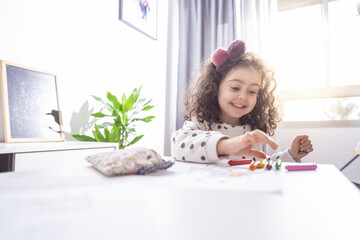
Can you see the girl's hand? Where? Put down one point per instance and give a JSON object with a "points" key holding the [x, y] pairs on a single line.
{"points": [[242, 145], [300, 147]]}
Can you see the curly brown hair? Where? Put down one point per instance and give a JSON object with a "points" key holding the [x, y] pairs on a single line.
{"points": [[202, 93]]}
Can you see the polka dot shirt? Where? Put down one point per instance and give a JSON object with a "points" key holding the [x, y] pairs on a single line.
{"points": [[195, 142]]}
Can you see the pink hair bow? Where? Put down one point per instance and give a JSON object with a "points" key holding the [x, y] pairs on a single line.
{"points": [[220, 55]]}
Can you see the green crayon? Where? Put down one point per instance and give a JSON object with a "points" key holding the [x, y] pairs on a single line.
{"points": [[278, 164]]}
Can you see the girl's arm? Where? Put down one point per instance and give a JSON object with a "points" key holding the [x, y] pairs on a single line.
{"points": [[300, 147], [195, 143], [243, 145]]}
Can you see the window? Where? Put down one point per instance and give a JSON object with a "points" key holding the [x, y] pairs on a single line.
{"points": [[317, 60]]}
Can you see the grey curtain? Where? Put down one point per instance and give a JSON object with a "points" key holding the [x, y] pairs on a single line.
{"points": [[204, 25]]}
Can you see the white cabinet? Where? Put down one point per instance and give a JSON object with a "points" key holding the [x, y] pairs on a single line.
{"points": [[29, 156]]}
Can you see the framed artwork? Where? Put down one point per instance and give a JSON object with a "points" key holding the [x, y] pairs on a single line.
{"points": [[140, 15], [30, 104]]}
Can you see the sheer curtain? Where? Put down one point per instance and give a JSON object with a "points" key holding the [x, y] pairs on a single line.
{"points": [[255, 25], [203, 27]]}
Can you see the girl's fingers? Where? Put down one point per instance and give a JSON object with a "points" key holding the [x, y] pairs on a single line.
{"points": [[263, 138], [307, 149], [273, 144], [257, 153], [300, 139], [304, 138], [306, 146]]}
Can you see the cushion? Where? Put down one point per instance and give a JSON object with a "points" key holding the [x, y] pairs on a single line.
{"points": [[128, 161]]}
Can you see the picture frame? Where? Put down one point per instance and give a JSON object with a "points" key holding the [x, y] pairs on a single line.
{"points": [[140, 15], [30, 104]]}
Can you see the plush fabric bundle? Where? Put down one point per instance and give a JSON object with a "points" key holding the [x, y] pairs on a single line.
{"points": [[128, 161]]}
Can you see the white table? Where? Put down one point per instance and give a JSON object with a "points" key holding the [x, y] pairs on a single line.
{"points": [[187, 201]]}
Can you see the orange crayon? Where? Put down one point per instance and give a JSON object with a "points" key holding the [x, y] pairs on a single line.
{"points": [[254, 165]]}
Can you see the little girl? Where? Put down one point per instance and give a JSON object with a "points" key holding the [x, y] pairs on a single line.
{"points": [[230, 111]]}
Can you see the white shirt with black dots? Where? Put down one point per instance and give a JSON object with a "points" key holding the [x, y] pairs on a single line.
{"points": [[195, 142]]}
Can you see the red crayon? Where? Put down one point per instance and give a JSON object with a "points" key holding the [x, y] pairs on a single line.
{"points": [[239, 162]]}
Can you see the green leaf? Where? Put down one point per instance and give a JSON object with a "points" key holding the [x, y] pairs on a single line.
{"points": [[123, 99], [146, 108], [84, 138], [114, 113], [107, 135], [138, 106], [107, 105], [130, 102], [131, 130], [136, 139], [147, 119], [97, 98], [98, 136], [104, 125], [114, 134], [117, 119], [137, 93], [147, 103], [114, 100], [140, 100], [99, 114]]}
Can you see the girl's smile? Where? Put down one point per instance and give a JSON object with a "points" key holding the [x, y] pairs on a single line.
{"points": [[238, 106], [237, 94]]}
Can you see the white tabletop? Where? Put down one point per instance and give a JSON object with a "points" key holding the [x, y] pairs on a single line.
{"points": [[187, 201]]}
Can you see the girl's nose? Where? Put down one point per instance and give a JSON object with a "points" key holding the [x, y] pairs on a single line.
{"points": [[242, 95]]}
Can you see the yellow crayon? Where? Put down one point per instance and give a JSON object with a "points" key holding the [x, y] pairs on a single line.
{"points": [[263, 163]]}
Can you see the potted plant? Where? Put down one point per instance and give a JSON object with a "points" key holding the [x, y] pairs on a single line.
{"points": [[124, 117]]}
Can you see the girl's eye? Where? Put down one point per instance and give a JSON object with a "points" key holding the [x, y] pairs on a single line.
{"points": [[252, 92], [235, 88]]}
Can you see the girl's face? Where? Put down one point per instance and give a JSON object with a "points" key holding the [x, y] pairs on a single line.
{"points": [[238, 93]]}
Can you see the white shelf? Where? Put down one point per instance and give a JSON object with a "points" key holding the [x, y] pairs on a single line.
{"points": [[30, 156], [6, 148]]}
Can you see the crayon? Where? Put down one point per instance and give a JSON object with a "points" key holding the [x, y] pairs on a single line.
{"points": [[301, 167], [254, 165], [278, 164], [262, 163], [239, 162], [269, 164]]}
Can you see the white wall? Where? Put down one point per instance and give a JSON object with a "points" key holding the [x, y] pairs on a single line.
{"points": [[92, 52], [331, 146]]}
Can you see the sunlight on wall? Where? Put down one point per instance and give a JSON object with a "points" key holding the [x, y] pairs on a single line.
{"points": [[91, 51], [322, 109], [344, 24]]}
